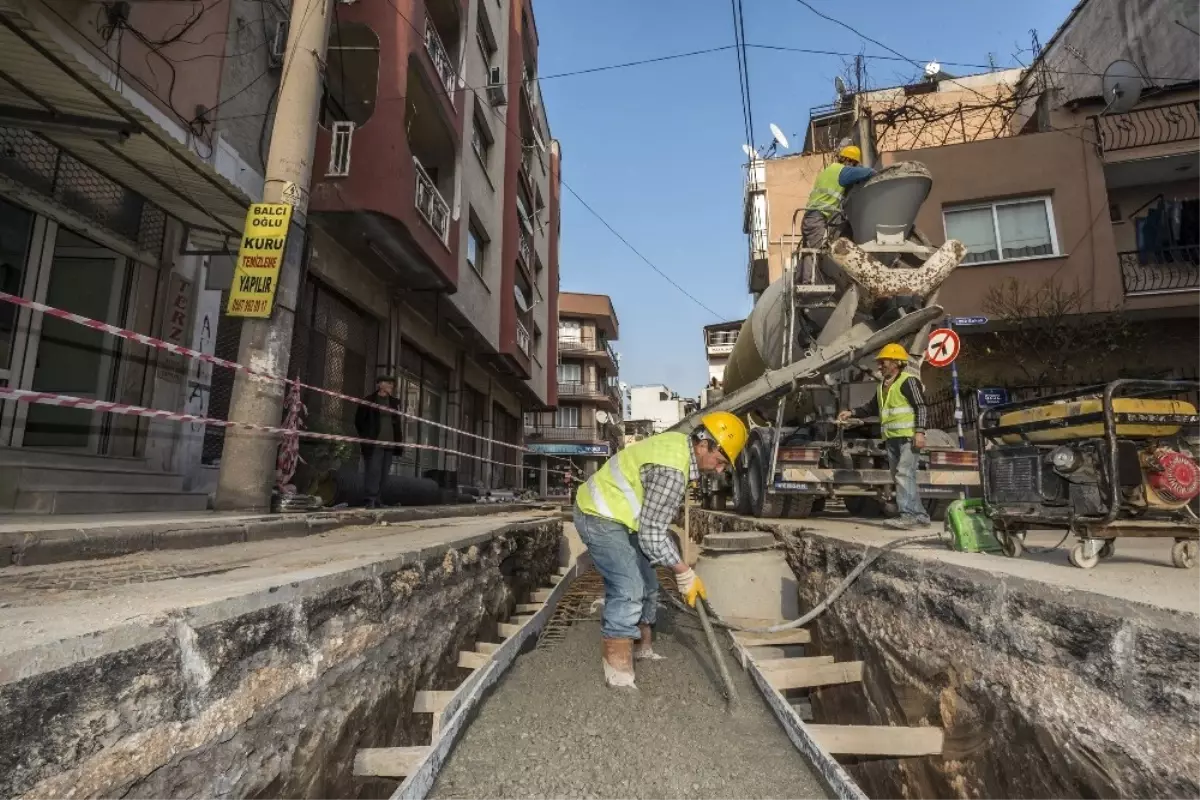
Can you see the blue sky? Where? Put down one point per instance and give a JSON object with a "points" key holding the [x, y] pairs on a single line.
{"points": [[656, 150]]}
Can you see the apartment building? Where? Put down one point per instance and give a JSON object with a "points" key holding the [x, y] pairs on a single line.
{"points": [[1070, 210], [719, 339], [658, 404], [585, 429], [432, 248]]}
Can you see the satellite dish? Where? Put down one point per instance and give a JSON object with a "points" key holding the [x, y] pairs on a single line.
{"points": [[602, 417], [839, 86], [750, 152], [932, 68], [1122, 85], [778, 136]]}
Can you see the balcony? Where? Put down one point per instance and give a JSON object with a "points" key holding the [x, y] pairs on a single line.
{"points": [[441, 58], [1167, 271], [524, 341], [430, 203], [1148, 127], [588, 434], [590, 390], [587, 346], [525, 247]]}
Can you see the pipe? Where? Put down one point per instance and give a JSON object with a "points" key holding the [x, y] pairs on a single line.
{"points": [[731, 698]]}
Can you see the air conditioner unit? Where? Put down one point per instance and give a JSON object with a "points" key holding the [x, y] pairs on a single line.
{"points": [[495, 87], [278, 45]]}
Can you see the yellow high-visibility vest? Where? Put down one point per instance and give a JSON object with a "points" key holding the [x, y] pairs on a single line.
{"points": [[615, 492], [827, 193], [897, 418]]}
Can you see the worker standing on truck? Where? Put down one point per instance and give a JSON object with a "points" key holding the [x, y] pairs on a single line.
{"points": [[900, 405], [623, 514], [825, 200]]}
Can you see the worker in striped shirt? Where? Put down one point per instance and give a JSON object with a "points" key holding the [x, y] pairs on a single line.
{"points": [[623, 514], [900, 405]]}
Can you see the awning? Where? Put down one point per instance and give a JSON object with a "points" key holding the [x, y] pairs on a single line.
{"points": [[53, 83]]}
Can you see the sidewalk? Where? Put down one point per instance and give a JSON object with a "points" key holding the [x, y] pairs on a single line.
{"points": [[32, 540]]}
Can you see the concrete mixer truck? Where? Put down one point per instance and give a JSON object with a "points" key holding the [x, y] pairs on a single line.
{"points": [[805, 352]]}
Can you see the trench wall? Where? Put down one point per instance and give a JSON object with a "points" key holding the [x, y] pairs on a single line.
{"points": [[1042, 692], [270, 696]]}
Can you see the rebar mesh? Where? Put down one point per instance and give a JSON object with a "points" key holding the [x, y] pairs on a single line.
{"points": [[583, 600]]}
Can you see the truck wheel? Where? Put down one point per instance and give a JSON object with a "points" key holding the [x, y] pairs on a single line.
{"points": [[741, 493], [799, 506], [862, 506], [818, 505], [763, 502]]}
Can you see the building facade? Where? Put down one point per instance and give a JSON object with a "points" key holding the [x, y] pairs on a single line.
{"points": [[719, 339], [432, 254], [585, 429], [658, 404]]}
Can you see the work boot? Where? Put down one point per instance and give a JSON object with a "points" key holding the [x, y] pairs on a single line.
{"points": [[618, 663], [644, 650]]}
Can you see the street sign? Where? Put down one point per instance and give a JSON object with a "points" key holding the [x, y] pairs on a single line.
{"points": [[989, 398], [260, 257], [960, 322], [943, 348]]}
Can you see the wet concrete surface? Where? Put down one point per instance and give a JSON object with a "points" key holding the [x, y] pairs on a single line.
{"points": [[553, 729]]}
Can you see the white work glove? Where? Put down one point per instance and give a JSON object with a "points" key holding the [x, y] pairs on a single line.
{"points": [[690, 586]]}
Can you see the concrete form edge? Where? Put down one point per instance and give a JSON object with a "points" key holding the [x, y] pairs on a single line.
{"points": [[468, 695], [835, 778]]}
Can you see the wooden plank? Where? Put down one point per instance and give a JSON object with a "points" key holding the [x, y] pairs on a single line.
{"points": [[431, 702], [469, 660], [388, 762], [528, 608], [487, 647], [420, 781], [878, 740], [770, 665], [507, 629], [555, 579], [564, 570], [540, 595], [798, 636], [803, 677]]}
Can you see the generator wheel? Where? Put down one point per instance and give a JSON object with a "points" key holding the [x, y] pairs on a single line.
{"points": [[1109, 549], [1183, 554], [1078, 559], [1012, 542]]}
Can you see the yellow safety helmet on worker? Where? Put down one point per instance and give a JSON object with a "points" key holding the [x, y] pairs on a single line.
{"points": [[851, 152], [893, 352], [727, 431]]}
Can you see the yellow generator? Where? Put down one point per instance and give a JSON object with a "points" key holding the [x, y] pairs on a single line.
{"points": [[1102, 463]]}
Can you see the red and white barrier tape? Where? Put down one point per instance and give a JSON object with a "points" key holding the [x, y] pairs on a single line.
{"points": [[68, 401], [187, 352]]}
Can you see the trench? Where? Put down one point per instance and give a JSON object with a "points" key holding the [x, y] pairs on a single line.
{"points": [[1039, 691]]}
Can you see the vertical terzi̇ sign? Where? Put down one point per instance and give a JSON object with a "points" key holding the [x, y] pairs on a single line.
{"points": [[260, 257]]}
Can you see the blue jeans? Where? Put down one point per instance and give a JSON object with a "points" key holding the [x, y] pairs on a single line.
{"points": [[902, 459], [630, 585]]}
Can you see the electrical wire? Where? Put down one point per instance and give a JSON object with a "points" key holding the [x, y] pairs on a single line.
{"points": [[749, 132], [740, 25]]}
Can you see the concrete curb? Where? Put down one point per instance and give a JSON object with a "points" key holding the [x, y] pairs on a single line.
{"points": [[73, 543]]}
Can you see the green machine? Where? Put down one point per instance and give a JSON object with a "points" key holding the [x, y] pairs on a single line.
{"points": [[970, 529]]}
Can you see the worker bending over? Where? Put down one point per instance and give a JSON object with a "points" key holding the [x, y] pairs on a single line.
{"points": [[623, 514], [900, 405], [825, 200]]}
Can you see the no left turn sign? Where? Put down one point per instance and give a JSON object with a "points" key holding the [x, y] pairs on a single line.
{"points": [[943, 348]]}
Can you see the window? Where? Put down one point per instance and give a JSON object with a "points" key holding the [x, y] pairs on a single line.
{"points": [[1007, 231], [481, 139], [484, 36], [569, 330], [567, 417], [476, 248], [570, 373]]}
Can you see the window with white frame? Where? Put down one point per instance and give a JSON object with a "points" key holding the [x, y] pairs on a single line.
{"points": [[570, 373], [476, 248], [1007, 230], [567, 417], [570, 330]]}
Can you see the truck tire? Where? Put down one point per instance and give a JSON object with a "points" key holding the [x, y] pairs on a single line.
{"points": [[763, 503], [863, 506], [799, 506], [741, 493]]}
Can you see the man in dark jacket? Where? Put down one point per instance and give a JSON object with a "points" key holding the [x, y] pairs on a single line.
{"points": [[371, 423]]}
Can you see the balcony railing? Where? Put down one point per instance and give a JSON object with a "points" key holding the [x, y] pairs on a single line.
{"points": [[1176, 122], [586, 344], [525, 246], [431, 204], [523, 340], [582, 434], [581, 389], [441, 59], [1166, 271]]}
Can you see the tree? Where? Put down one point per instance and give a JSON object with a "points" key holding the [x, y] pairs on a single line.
{"points": [[1050, 333]]}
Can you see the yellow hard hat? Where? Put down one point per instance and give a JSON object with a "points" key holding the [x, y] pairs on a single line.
{"points": [[851, 151], [893, 352], [729, 431]]}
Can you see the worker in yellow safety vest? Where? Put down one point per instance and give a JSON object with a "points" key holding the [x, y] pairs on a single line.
{"points": [[899, 403], [623, 514], [825, 200]]}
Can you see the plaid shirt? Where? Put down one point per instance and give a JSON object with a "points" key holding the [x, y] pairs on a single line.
{"points": [[664, 489]]}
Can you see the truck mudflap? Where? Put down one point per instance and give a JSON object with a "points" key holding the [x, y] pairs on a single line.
{"points": [[816, 480]]}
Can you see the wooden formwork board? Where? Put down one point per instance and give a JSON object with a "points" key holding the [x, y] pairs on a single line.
{"points": [[454, 716], [878, 740]]}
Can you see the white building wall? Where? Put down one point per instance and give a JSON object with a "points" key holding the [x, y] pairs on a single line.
{"points": [[657, 403]]}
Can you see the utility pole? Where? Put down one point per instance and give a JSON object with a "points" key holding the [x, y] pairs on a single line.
{"points": [[248, 460]]}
